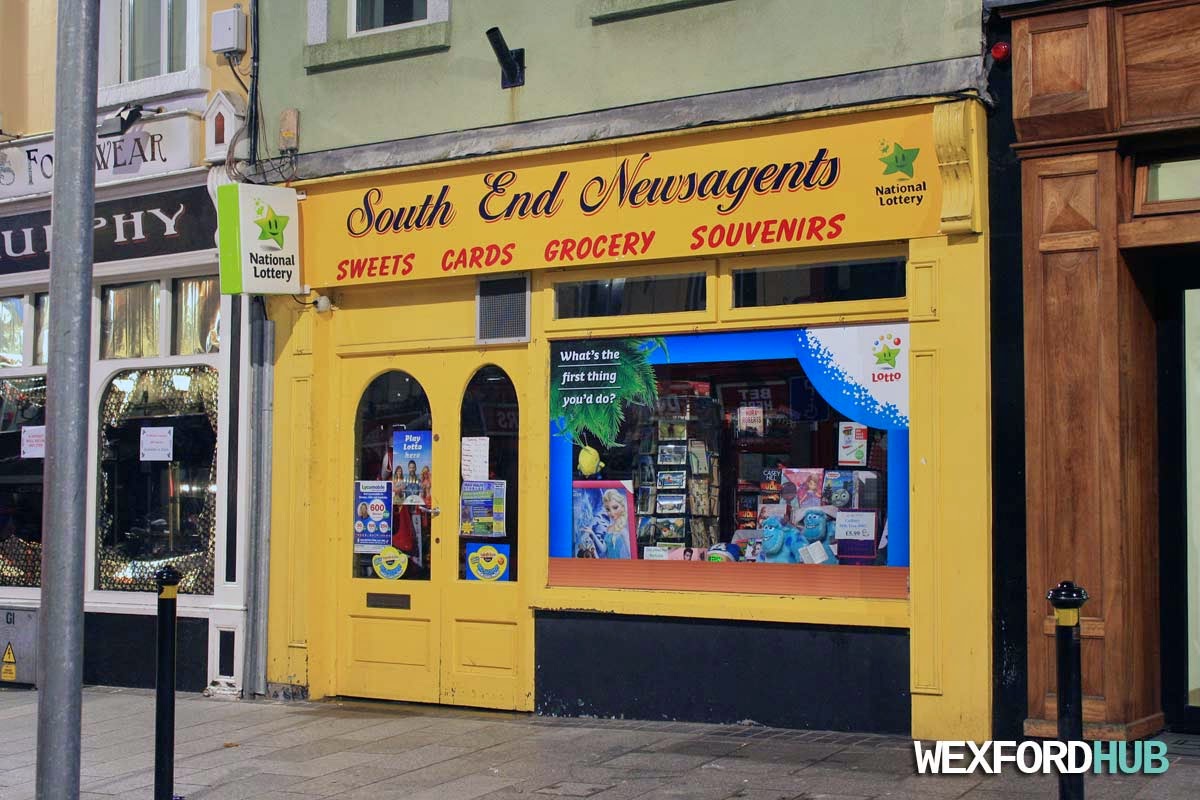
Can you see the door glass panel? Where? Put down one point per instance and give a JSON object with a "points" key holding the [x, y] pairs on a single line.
{"points": [[393, 471], [487, 512], [1191, 360]]}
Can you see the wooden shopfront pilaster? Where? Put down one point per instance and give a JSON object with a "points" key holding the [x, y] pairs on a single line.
{"points": [[1098, 88]]}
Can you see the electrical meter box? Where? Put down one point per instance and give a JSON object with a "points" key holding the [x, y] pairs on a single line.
{"points": [[18, 646], [228, 31]]}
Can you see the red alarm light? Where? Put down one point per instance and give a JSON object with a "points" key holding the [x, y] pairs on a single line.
{"points": [[1001, 51]]}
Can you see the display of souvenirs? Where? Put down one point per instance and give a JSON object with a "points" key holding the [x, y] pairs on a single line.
{"points": [[671, 430], [672, 479], [671, 504], [671, 528], [839, 489], [673, 455], [697, 457]]}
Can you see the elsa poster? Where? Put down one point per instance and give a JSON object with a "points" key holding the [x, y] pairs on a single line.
{"points": [[604, 522]]}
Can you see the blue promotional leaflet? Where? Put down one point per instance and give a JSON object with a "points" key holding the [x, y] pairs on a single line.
{"points": [[372, 516]]}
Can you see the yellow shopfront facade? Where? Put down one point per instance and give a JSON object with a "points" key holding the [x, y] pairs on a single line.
{"points": [[621, 428]]}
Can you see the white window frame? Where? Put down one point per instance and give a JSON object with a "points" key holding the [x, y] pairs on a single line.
{"points": [[115, 90], [436, 11]]}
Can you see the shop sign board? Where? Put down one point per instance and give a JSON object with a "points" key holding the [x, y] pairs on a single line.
{"points": [[769, 187], [163, 223], [259, 239], [151, 147]]}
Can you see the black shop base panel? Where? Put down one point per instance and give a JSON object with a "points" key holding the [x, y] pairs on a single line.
{"points": [[719, 671], [119, 650]]}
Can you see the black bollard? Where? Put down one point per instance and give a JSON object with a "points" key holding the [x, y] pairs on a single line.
{"points": [[164, 686], [1067, 599]]}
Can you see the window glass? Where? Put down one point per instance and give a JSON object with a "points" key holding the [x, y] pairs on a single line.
{"points": [[619, 296], [817, 283], [197, 316], [157, 493], [155, 37], [393, 491], [772, 446], [177, 36], [489, 492], [1191, 373], [12, 331], [42, 329], [1167, 181], [129, 321], [382, 13], [22, 405]]}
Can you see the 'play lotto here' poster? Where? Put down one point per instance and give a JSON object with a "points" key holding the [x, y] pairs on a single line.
{"points": [[412, 467]]}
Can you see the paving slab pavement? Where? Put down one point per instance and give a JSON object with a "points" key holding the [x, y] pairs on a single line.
{"points": [[361, 750]]}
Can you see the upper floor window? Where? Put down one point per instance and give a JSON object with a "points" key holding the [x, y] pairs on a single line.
{"points": [[368, 16], [153, 38], [149, 48]]}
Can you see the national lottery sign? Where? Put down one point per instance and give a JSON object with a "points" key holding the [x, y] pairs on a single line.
{"points": [[774, 186]]}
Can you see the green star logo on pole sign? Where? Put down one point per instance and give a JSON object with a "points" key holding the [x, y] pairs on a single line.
{"points": [[271, 225], [900, 160]]}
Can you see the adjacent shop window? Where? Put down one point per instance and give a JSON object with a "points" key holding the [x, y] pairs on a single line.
{"points": [[373, 15], [12, 331], [197, 310], [22, 449], [818, 283], [129, 320], [657, 294], [778, 447], [154, 37], [489, 491], [42, 329], [393, 480], [1167, 186], [157, 492]]}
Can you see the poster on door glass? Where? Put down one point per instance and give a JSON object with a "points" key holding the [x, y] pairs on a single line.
{"points": [[412, 460], [372, 516]]}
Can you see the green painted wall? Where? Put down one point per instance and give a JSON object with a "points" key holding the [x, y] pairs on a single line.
{"points": [[574, 65]]}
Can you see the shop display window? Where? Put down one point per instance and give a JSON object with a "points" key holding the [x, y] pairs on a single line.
{"points": [[610, 297], [760, 449], [42, 329], [818, 283], [12, 331], [197, 321], [22, 441], [489, 490], [129, 320], [157, 493], [393, 490]]}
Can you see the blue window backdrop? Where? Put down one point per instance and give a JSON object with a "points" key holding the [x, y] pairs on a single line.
{"points": [[631, 420]]}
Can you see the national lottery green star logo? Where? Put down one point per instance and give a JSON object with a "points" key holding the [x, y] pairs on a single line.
{"points": [[901, 159], [272, 225]]}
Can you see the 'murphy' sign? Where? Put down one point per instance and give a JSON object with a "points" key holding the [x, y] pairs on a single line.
{"points": [[148, 148], [133, 227]]}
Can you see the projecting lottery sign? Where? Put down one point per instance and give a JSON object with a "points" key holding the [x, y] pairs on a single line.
{"points": [[259, 236]]}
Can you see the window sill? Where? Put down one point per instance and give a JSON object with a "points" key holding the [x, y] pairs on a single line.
{"points": [[377, 47], [196, 79], [604, 11]]}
